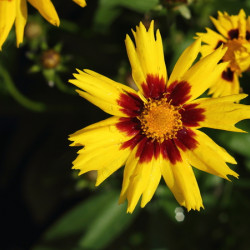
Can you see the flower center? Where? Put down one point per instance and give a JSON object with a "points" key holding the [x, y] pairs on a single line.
{"points": [[160, 120], [236, 53]]}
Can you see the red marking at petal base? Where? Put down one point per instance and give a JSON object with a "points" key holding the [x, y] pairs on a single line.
{"points": [[219, 44], [234, 33], [155, 87], [248, 35], [131, 126], [170, 151], [191, 116], [157, 149], [131, 104], [133, 142], [179, 92], [185, 139], [228, 75], [145, 150]]}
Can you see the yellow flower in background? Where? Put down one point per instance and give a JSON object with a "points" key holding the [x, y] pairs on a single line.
{"points": [[16, 11], [82, 3], [155, 132], [234, 34]]}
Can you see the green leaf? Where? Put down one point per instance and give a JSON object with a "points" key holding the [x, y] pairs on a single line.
{"points": [[92, 224], [239, 143], [109, 10], [109, 223]]}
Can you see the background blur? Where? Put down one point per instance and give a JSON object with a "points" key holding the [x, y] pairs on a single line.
{"points": [[44, 204]]}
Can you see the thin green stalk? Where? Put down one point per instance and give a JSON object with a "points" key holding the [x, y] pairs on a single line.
{"points": [[63, 87], [20, 98]]}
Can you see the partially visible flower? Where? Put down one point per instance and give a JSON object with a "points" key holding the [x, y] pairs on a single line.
{"points": [[234, 34], [155, 132], [82, 3], [33, 30], [16, 11]]}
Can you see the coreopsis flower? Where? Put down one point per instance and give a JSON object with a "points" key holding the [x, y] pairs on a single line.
{"points": [[234, 34], [155, 132], [16, 11]]}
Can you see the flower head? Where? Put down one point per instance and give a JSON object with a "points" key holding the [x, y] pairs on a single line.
{"points": [[234, 34], [155, 132], [16, 11]]}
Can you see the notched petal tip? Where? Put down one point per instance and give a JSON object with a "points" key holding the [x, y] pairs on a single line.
{"points": [[242, 13], [129, 211], [127, 38], [234, 174], [152, 23], [195, 208], [75, 75], [78, 70]]}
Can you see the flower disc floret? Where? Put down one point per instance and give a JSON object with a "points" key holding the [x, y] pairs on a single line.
{"points": [[160, 120]]}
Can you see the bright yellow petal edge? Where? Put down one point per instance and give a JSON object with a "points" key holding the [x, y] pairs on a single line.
{"points": [[134, 136]]}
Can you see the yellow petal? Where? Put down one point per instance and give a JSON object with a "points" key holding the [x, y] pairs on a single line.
{"points": [[147, 58], [139, 179], [222, 26], [102, 160], [242, 58], [137, 72], [47, 10], [138, 183], [118, 161], [223, 113], [185, 61], [242, 24], [101, 91], [205, 72], [181, 181], [82, 3], [7, 17], [128, 171], [21, 18], [210, 157], [99, 134], [153, 183], [101, 148], [212, 38], [224, 88], [226, 21], [110, 107], [206, 50]]}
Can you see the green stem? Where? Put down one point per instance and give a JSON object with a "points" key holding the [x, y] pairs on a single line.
{"points": [[63, 87], [20, 98]]}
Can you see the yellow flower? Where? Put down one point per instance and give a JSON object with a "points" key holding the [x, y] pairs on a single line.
{"points": [[16, 11], [154, 132], [234, 34], [82, 3]]}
